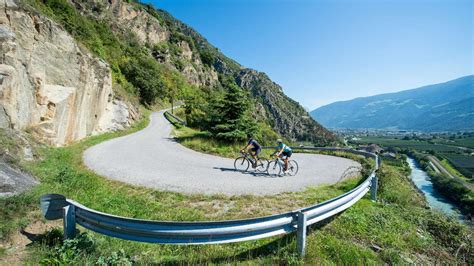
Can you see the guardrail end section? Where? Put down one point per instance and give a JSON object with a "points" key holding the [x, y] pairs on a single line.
{"points": [[373, 188], [301, 233], [52, 206], [69, 221]]}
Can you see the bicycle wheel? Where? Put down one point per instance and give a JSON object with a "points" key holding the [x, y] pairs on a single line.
{"points": [[274, 168], [241, 164], [261, 165], [292, 168]]}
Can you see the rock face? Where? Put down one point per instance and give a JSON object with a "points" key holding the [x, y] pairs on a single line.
{"points": [[181, 48], [125, 17], [50, 85], [13, 181], [287, 116]]}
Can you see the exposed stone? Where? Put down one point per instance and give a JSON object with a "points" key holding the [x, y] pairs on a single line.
{"points": [[47, 82], [13, 181], [117, 117], [288, 117], [4, 121], [124, 16], [186, 51]]}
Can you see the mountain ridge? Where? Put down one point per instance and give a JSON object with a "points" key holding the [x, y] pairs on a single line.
{"points": [[415, 109], [147, 54]]}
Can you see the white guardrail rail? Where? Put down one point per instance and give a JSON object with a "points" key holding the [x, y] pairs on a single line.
{"points": [[56, 206]]}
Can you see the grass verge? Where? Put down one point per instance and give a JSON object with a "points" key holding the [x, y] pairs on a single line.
{"points": [[397, 229]]}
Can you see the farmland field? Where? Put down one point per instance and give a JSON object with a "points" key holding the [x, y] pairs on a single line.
{"points": [[463, 163], [467, 142], [420, 145], [447, 148]]}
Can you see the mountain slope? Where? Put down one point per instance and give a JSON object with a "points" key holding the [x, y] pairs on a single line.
{"points": [[446, 106], [122, 31]]}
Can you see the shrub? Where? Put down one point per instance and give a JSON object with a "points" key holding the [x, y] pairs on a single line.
{"points": [[66, 252], [144, 73], [207, 58], [116, 258]]}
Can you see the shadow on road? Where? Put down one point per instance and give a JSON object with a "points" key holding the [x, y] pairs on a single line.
{"points": [[253, 173]]}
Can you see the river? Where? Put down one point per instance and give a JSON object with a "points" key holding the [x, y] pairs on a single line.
{"points": [[434, 199]]}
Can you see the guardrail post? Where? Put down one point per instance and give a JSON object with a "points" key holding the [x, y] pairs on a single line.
{"points": [[373, 188], [301, 233], [69, 221]]}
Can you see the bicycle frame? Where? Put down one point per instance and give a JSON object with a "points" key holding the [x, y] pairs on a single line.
{"points": [[280, 161], [249, 156]]}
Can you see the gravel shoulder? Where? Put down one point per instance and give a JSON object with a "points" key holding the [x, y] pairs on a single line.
{"points": [[153, 159]]}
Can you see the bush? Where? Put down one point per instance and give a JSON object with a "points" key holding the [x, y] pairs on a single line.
{"points": [[116, 258], [144, 73], [207, 58], [456, 191], [67, 251]]}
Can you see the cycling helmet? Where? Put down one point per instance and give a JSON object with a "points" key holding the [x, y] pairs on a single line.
{"points": [[279, 140]]}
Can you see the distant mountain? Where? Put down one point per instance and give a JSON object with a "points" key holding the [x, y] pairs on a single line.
{"points": [[446, 106]]}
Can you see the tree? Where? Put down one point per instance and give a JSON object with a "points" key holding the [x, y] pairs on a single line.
{"points": [[233, 121], [145, 74]]}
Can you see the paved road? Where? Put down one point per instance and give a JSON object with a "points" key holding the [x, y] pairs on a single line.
{"points": [[151, 158]]}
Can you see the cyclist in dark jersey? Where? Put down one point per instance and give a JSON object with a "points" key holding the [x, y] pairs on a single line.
{"points": [[255, 149]]}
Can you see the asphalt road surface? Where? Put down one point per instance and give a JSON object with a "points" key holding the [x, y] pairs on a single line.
{"points": [[152, 158]]}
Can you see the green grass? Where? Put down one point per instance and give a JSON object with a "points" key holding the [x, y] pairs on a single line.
{"points": [[203, 141], [467, 141], [463, 164], [420, 145], [445, 163], [399, 224]]}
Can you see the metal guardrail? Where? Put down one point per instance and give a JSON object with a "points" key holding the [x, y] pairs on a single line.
{"points": [[180, 121], [55, 206]]}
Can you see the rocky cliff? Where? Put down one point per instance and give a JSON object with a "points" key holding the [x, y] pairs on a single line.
{"points": [[145, 24], [286, 116], [67, 91], [181, 48], [51, 85]]}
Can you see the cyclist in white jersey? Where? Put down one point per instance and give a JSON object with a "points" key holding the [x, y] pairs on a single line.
{"points": [[284, 150]]}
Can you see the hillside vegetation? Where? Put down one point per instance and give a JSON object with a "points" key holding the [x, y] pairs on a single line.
{"points": [[156, 58]]}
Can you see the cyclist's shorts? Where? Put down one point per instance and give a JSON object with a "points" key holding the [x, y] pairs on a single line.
{"points": [[257, 151], [287, 153]]}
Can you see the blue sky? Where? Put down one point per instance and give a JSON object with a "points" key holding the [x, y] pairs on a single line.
{"points": [[325, 51]]}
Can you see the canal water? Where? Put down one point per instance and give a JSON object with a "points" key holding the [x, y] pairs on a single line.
{"points": [[434, 199]]}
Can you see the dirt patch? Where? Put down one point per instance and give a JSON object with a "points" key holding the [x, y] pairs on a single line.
{"points": [[15, 247]]}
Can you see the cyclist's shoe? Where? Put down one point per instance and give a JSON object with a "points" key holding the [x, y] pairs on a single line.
{"points": [[254, 164]]}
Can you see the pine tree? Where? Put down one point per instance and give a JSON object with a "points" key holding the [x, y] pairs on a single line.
{"points": [[233, 121]]}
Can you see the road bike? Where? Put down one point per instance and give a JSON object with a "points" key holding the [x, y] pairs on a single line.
{"points": [[243, 162], [276, 166]]}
